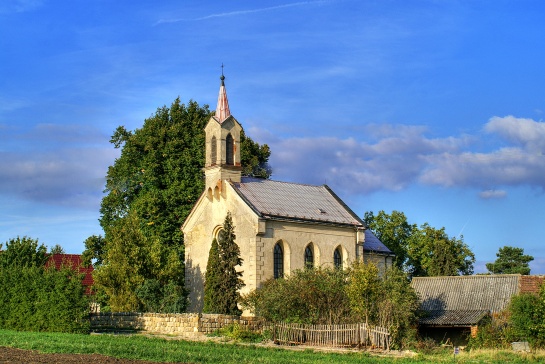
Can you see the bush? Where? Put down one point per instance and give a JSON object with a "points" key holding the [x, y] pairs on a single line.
{"points": [[335, 296], [33, 298]]}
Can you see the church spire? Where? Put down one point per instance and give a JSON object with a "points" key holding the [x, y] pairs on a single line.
{"points": [[222, 110]]}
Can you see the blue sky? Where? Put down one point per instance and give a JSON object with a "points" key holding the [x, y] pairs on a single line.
{"points": [[433, 108]]}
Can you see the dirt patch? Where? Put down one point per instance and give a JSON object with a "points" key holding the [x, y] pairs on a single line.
{"points": [[12, 355]]}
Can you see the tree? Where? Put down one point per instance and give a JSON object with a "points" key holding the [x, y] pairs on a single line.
{"points": [[229, 260], [150, 190], [23, 252], [433, 253], [510, 260], [393, 231], [421, 251], [57, 249], [212, 280], [363, 290], [36, 298]]}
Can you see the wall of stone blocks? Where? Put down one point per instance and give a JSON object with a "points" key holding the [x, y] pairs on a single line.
{"points": [[184, 324]]}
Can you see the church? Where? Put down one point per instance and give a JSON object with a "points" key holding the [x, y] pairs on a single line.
{"points": [[279, 226]]}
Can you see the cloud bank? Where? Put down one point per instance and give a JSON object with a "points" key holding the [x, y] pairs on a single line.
{"points": [[392, 157]]}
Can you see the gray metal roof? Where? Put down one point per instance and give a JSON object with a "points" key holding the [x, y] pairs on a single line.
{"points": [[455, 299], [453, 317], [373, 244], [295, 201]]}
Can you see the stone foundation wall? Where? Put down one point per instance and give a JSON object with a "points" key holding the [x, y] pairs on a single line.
{"points": [[183, 324]]}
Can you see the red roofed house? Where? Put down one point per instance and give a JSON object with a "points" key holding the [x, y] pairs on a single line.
{"points": [[74, 262]]}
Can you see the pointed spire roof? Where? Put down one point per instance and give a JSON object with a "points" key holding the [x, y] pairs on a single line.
{"points": [[222, 110]]}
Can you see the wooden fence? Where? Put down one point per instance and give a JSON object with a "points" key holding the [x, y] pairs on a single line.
{"points": [[348, 335]]}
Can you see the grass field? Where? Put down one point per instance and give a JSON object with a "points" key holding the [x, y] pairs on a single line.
{"points": [[163, 350]]}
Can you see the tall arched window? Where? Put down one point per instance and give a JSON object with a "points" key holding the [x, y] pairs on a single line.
{"points": [[309, 257], [338, 258], [229, 148], [213, 151], [278, 261]]}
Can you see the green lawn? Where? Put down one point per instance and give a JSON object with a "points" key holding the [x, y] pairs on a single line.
{"points": [[162, 350]]}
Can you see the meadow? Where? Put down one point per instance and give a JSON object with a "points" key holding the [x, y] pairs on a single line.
{"points": [[140, 347]]}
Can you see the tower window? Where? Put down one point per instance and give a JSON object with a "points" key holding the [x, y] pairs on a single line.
{"points": [[229, 147], [338, 258], [213, 151], [309, 257], [278, 261]]}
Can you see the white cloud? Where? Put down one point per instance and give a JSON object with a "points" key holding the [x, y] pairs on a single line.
{"points": [[526, 133], [393, 157], [61, 165]]}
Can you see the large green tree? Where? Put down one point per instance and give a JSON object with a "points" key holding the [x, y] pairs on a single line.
{"points": [[392, 230], [421, 251], [150, 190], [433, 253], [510, 260]]}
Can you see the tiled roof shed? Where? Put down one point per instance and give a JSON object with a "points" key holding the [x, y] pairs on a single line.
{"points": [[74, 262], [463, 300]]}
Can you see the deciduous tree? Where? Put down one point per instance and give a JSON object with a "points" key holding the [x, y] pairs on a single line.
{"points": [[392, 230], [433, 253], [150, 190]]}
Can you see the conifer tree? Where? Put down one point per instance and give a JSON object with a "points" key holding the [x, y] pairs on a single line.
{"points": [[229, 260], [212, 280]]}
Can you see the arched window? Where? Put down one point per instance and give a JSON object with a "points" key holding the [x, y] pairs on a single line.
{"points": [[278, 261], [338, 258], [309, 257], [229, 147], [213, 151]]}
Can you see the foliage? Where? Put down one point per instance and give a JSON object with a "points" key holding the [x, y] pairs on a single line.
{"points": [[94, 249], [57, 249], [433, 253], [528, 317], [393, 231], [150, 190], [240, 333], [335, 296], [397, 308], [254, 158], [311, 296], [421, 251], [23, 252], [363, 290], [212, 280], [36, 298], [493, 333], [524, 319], [510, 260], [223, 281]]}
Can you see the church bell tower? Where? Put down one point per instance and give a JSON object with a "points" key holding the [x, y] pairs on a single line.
{"points": [[222, 147]]}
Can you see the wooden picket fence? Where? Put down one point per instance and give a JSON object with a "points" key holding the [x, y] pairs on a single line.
{"points": [[347, 335]]}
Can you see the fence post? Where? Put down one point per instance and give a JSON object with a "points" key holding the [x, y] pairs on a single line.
{"points": [[358, 340]]}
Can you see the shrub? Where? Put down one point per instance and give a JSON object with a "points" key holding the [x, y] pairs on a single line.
{"points": [[33, 298]]}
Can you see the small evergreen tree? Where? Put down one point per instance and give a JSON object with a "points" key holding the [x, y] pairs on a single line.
{"points": [[212, 280], [229, 260], [222, 280], [510, 260]]}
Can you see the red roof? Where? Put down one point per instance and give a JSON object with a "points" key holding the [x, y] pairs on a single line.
{"points": [[74, 262]]}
